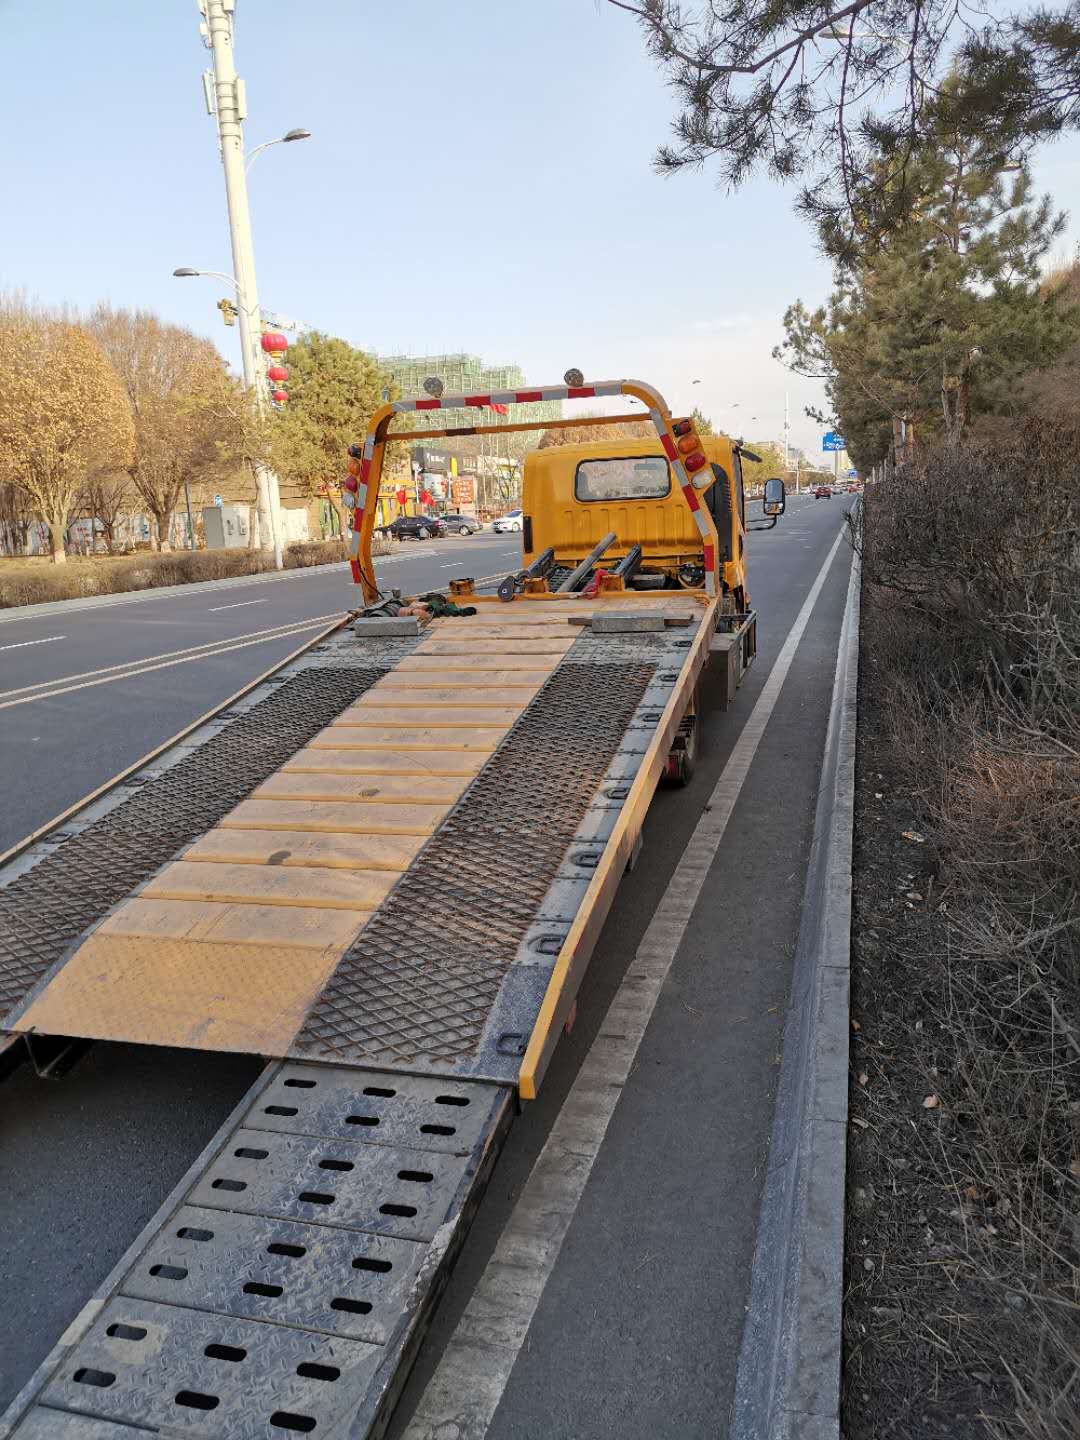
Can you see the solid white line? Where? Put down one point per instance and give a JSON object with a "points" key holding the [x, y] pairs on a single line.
{"points": [[144, 668], [195, 651], [24, 643], [237, 605], [464, 1393]]}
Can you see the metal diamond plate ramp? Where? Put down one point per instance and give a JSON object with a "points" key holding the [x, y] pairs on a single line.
{"points": [[44, 910], [418, 985]]}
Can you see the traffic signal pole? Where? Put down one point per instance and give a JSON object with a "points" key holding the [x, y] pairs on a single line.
{"points": [[229, 109]]}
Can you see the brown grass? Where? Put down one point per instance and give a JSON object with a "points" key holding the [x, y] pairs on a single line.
{"points": [[972, 650]]}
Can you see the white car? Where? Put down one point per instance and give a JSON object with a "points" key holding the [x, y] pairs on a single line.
{"points": [[512, 520]]}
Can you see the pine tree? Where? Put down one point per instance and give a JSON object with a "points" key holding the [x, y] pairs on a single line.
{"points": [[938, 307]]}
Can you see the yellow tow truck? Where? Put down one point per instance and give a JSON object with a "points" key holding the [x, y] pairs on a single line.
{"points": [[383, 866]]}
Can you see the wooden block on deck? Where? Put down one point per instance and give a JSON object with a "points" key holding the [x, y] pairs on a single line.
{"points": [[393, 853]]}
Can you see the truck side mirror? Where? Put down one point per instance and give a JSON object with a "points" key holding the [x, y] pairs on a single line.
{"points": [[775, 500]]}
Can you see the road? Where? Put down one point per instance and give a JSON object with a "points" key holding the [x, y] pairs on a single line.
{"points": [[637, 1328], [85, 691]]}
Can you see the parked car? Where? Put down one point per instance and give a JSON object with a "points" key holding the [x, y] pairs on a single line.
{"points": [[823, 492], [414, 527], [512, 520], [459, 524]]}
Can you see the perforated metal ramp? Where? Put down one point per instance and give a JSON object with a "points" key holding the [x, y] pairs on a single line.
{"points": [[285, 1286]]}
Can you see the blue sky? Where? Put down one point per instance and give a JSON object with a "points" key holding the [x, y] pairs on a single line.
{"points": [[479, 179]]}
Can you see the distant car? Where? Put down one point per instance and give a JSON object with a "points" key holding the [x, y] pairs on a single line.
{"points": [[414, 527], [459, 524], [512, 520], [823, 492]]}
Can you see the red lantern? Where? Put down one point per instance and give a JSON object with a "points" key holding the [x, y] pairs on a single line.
{"points": [[350, 483], [279, 397], [399, 496], [274, 343], [278, 373], [425, 497]]}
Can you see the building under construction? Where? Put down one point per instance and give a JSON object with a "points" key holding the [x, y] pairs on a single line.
{"points": [[466, 375]]}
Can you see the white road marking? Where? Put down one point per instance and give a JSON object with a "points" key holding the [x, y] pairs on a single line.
{"points": [[237, 604], [60, 686], [23, 643], [470, 1379]]}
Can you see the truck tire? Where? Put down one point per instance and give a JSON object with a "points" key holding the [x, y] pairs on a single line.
{"points": [[682, 757], [423, 533]]}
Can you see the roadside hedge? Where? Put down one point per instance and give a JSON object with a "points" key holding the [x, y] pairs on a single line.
{"points": [[36, 585]]}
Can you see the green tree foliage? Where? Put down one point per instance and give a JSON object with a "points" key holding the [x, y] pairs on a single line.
{"points": [[770, 462], [334, 389], [816, 91], [702, 424], [938, 309]]}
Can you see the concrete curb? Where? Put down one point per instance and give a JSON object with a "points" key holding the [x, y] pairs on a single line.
{"points": [[788, 1382]]}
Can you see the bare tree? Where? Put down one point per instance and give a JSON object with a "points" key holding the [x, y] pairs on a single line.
{"points": [[105, 496], [182, 401]]}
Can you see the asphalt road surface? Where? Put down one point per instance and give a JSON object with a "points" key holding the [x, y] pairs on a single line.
{"points": [[637, 1330], [87, 690]]}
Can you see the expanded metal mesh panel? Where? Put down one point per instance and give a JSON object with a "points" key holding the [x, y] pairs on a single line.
{"points": [[421, 979], [44, 910]]}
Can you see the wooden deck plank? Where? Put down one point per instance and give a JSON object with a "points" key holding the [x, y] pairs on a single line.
{"points": [[393, 853], [405, 788], [338, 816], [271, 885]]}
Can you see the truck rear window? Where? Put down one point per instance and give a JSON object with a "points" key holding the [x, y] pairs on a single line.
{"points": [[630, 477]]}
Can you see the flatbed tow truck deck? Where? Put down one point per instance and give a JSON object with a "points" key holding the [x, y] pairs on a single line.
{"points": [[384, 867]]}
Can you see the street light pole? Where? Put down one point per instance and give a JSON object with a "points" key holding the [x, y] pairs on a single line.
{"points": [[229, 109]]}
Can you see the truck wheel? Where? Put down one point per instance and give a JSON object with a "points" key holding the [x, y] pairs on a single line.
{"points": [[682, 757], [423, 533]]}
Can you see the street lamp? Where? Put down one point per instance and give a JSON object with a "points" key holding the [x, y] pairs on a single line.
{"points": [[226, 101], [272, 501], [285, 139]]}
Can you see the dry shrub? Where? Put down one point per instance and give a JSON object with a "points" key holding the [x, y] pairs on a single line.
{"points": [[972, 569], [314, 552], [147, 571]]}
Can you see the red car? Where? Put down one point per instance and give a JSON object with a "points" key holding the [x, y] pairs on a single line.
{"points": [[823, 492]]}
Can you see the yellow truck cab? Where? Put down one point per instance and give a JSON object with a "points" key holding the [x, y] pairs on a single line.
{"points": [[575, 495]]}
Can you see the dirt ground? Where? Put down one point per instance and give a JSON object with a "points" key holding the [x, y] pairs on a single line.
{"points": [[928, 1331]]}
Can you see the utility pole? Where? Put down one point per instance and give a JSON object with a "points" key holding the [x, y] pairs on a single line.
{"points": [[230, 109], [787, 428]]}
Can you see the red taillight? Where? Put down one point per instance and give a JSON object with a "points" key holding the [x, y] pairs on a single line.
{"points": [[694, 462], [688, 444], [349, 483]]}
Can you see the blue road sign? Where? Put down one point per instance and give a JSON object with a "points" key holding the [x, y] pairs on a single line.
{"points": [[852, 474], [832, 441]]}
